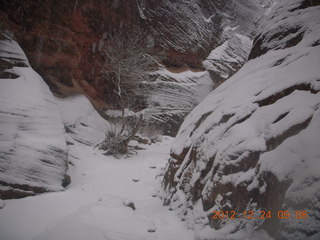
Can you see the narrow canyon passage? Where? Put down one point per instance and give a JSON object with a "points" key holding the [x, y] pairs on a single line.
{"points": [[194, 119]]}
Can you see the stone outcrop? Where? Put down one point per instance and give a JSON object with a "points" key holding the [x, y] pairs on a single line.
{"points": [[253, 143]]}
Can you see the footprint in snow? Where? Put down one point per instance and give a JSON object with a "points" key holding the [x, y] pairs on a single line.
{"points": [[152, 227], [129, 204], [2, 204]]}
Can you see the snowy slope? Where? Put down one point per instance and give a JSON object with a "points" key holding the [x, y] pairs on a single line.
{"points": [[253, 143], [33, 156]]}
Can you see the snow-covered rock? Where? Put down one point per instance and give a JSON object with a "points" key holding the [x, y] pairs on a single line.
{"points": [[253, 143], [33, 152], [228, 58], [173, 96], [239, 25], [81, 121]]}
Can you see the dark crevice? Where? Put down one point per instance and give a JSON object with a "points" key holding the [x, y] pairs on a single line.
{"points": [[15, 114], [192, 156], [258, 93], [210, 128], [201, 120], [68, 130], [14, 193], [16, 62], [198, 185], [226, 118], [83, 142], [295, 40], [316, 43], [241, 120], [305, 4], [281, 117], [66, 180], [275, 97], [274, 142], [47, 161], [258, 49], [243, 165], [172, 167], [279, 62], [8, 75], [181, 156], [17, 190]]}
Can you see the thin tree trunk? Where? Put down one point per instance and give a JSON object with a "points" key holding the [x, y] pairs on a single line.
{"points": [[135, 130]]}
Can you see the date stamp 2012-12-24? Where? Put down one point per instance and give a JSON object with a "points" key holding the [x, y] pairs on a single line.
{"points": [[260, 214]]}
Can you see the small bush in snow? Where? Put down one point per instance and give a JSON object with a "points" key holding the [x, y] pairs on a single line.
{"points": [[118, 137]]}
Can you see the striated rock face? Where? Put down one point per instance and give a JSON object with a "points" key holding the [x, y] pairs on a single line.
{"points": [[173, 96], [253, 143], [228, 58], [238, 26], [194, 27], [62, 41], [33, 152]]}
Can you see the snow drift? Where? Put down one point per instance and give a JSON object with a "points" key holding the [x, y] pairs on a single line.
{"points": [[253, 143]]}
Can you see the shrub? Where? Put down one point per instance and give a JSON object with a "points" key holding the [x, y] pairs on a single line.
{"points": [[118, 137]]}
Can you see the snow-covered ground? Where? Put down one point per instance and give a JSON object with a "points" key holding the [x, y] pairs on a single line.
{"points": [[94, 204]]}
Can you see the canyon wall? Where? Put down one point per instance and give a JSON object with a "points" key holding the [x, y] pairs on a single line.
{"points": [[62, 39], [253, 143]]}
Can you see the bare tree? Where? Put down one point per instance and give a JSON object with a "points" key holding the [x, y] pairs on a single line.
{"points": [[128, 65]]}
